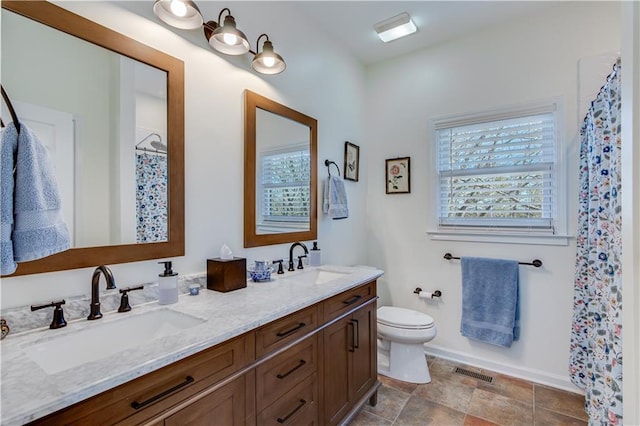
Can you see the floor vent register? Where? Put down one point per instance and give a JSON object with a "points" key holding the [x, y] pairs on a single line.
{"points": [[473, 374]]}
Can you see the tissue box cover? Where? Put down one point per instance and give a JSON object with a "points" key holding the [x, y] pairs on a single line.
{"points": [[226, 274]]}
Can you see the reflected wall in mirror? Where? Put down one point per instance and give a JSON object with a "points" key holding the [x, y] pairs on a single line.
{"points": [[280, 173], [111, 112]]}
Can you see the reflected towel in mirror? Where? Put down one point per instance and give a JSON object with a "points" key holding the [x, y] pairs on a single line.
{"points": [[32, 225]]}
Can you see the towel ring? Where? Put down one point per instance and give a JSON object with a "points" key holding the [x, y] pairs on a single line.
{"points": [[328, 164], [12, 111]]}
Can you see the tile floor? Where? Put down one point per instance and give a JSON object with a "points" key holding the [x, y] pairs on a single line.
{"points": [[453, 399]]}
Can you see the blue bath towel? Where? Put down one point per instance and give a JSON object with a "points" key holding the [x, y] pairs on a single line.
{"points": [[32, 225], [490, 300], [335, 198]]}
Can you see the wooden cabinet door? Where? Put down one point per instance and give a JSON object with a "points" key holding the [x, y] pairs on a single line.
{"points": [[363, 366], [337, 343], [224, 406]]}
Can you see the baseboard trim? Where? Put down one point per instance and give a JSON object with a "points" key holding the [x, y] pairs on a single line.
{"points": [[535, 376]]}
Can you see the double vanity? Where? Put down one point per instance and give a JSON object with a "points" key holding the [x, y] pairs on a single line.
{"points": [[299, 349]]}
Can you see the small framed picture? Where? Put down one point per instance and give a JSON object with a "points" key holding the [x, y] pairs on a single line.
{"points": [[398, 175], [351, 161]]}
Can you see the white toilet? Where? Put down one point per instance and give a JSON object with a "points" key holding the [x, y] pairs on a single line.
{"points": [[401, 335]]}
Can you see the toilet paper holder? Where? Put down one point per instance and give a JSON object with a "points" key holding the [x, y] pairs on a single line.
{"points": [[436, 293]]}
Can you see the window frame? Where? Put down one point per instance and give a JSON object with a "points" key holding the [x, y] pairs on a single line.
{"points": [[508, 234]]}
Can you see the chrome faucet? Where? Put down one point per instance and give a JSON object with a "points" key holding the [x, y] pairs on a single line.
{"points": [[95, 293], [306, 252]]}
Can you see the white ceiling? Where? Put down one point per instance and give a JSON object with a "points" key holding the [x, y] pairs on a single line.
{"points": [[351, 22]]}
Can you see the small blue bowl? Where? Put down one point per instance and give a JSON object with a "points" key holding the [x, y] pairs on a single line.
{"points": [[261, 275]]}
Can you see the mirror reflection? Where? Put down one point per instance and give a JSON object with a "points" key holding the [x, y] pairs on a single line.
{"points": [[103, 118], [124, 115], [280, 173], [283, 185]]}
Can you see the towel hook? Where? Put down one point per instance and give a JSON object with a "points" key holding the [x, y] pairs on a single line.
{"points": [[328, 163]]}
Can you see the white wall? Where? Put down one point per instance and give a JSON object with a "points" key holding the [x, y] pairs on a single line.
{"points": [[631, 209], [321, 80], [520, 61]]}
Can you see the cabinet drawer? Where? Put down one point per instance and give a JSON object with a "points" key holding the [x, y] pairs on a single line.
{"points": [[156, 391], [344, 302], [299, 406], [225, 406], [280, 332], [278, 375]]}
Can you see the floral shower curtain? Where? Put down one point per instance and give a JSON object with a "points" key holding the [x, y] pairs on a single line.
{"points": [[596, 339], [151, 198]]}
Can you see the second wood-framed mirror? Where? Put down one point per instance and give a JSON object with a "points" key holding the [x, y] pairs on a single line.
{"points": [[280, 176], [121, 60]]}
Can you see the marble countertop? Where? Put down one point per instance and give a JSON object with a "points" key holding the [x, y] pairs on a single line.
{"points": [[28, 392]]}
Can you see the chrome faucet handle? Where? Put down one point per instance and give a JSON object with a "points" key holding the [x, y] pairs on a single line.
{"points": [[300, 266], [58, 314], [124, 300]]}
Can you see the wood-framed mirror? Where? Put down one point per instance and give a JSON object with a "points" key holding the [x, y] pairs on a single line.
{"points": [[280, 176], [164, 137]]}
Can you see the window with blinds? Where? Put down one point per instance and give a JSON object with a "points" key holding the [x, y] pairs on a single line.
{"points": [[498, 172], [285, 186]]}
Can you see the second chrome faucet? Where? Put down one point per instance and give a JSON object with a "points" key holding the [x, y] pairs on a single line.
{"points": [[94, 307]]}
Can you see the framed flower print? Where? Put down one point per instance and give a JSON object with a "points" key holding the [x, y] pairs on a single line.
{"points": [[398, 176]]}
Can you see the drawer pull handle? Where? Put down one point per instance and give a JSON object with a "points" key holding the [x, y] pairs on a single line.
{"points": [[282, 420], [300, 364], [137, 405], [353, 336], [356, 334], [353, 300], [293, 330]]}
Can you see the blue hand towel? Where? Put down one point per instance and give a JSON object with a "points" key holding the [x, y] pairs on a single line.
{"points": [[7, 161], [335, 198], [490, 300], [34, 221]]}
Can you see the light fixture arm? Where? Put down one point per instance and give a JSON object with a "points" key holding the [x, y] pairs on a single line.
{"points": [[258, 42], [221, 12]]}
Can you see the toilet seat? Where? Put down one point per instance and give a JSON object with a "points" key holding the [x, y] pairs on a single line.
{"points": [[404, 318]]}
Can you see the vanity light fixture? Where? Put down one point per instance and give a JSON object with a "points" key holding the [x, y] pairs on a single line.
{"points": [[226, 38], [396, 27], [267, 61], [183, 14], [223, 37]]}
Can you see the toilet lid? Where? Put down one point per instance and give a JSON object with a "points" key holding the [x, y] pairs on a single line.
{"points": [[403, 318]]}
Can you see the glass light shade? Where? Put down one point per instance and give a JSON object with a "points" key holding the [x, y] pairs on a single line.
{"points": [[396, 27], [228, 39], [268, 61], [183, 14]]}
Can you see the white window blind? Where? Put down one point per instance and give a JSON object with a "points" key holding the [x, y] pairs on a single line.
{"points": [[285, 185], [498, 173]]}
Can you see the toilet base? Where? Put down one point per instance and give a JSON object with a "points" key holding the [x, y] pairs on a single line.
{"points": [[403, 361]]}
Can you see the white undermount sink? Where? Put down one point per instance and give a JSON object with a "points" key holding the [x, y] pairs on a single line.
{"points": [[318, 276], [102, 340]]}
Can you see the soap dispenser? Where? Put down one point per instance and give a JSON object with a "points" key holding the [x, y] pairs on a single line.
{"points": [[167, 285], [314, 255]]}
